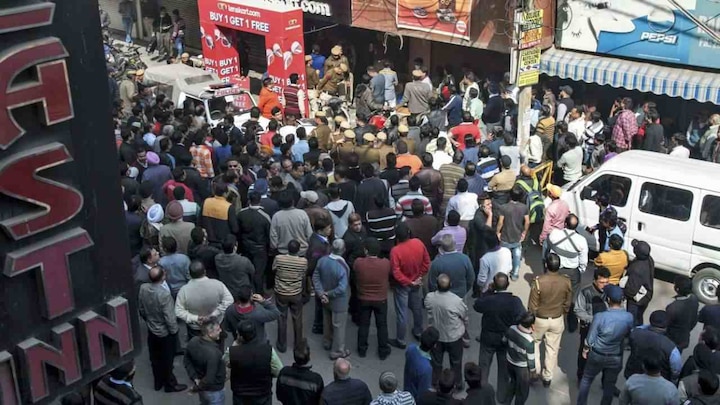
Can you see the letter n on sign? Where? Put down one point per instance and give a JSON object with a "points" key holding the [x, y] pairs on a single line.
{"points": [[93, 327]]}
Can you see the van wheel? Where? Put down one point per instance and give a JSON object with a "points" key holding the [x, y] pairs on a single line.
{"points": [[706, 283]]}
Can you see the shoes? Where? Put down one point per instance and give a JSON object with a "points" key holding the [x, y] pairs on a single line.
{"points": [[327, 346], [616, 392], [417, 337], [546, 383], [477, 339], [466, 344], [397, 343], [340, 354], [176, 388], [317, 331], [362, 353], [383, 356], [281, 349], [180, 352], [514, 277], [158, 387]]}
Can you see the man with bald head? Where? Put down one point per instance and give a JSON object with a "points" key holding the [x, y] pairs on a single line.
{"points": [[345, 390], [157, 309], [448, 314]]}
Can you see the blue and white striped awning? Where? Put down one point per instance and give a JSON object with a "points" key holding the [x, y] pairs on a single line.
{"points": [[632, 75]]}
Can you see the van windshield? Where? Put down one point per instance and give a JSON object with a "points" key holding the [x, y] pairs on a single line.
{"points": [[575, 183]]}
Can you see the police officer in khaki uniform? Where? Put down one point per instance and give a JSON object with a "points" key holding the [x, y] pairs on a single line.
{"points": [[336, 59], [311, 74], [338, 136], [383, 149], [322, 131], [372, 153], [550, 299], [346, 147], [331, 82]]}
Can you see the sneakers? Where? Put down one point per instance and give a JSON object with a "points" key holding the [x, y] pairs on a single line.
{"points": [[514, 277], [397, 343]]}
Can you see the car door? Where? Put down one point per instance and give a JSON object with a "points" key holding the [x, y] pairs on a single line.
{"points": [[706, 238], [617, 186], [662, 218]]}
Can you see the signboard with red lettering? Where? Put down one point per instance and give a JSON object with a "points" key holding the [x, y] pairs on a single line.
{"points": [[67, 310], [281, 25]]}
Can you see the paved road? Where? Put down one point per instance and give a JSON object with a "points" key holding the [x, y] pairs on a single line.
{"points": [[563, 390]]}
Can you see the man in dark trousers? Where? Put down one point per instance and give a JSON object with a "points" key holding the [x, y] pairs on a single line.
{"points": [[682, 314], [254, 225], [653, 337], [500, 309], [234, 270], [589, 302], [253, 364], [157, 309], [368, 190], [372, 277], [205, 366], [297, 384], [318, 247]]}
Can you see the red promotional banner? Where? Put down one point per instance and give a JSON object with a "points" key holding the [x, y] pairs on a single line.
{"points": [[441, 17], [281, 26]]}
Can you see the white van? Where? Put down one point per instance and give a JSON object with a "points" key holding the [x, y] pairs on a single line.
{"points": [[671, 203]]}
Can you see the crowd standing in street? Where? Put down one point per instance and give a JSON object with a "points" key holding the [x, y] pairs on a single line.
{"points": [[228, 237]]}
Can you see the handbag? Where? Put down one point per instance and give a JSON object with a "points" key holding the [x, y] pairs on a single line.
{"points": [[623, 281]]}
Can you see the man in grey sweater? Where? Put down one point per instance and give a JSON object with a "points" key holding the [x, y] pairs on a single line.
{"points": [[250, 307], [234, 270], [287, 224], [201, 299]]}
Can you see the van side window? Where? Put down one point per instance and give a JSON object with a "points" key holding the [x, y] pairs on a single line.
{"points": [[710, 211], [664, 201], [616, 187]]}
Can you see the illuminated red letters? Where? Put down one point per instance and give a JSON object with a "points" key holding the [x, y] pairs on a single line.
{"points": [[117, 328], [36, 355], [19, 179], [51, 256], [51, 87]]}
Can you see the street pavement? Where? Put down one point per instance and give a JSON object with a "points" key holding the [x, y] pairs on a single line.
{"points": [[562, 391]]}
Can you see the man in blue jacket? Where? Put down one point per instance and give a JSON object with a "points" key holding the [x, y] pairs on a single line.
{"points": [[418, 370], [330, 280]]}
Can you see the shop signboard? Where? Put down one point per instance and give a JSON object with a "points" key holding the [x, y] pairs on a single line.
{"points": [[529, 67], [683, 32], [335, 11], [531, 28], [68, 301], [441, 17], [486, 25]]}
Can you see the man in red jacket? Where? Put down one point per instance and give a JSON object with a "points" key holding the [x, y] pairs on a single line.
{"points": [[410, 262]]}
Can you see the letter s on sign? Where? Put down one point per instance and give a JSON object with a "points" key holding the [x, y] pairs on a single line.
{"points": [[19, 179], [51, 87]]}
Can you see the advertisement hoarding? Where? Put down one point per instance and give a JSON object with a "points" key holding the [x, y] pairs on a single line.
{"points": [[672, 31], [442, 17]]}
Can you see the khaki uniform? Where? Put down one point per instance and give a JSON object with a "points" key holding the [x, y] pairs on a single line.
{"points": [[550, 299], [312, 77], [336, 137], [344, 150], [322, 133], [332, 63], [383, 152], [410, 144], [331, 82], [369, 154]]}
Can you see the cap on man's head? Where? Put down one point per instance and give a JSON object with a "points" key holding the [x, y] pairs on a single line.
{"points": [[349, 134], [567, 89], [554, 191], [139, 72], [336, 50], [658, 319], [308, 58], [369, 137], [261, 186], [155, 214], [403, 129], [344, 125], [417, 73], [613, 292], [174, 210], [311, 196], [320, 114], [381, 136], [388, 382]]}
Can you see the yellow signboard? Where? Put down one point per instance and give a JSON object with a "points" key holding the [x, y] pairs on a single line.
{"points": [[531, 28], [529, 67]]}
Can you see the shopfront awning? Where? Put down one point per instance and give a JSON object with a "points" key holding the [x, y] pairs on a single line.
{"points": [[632, 75]]}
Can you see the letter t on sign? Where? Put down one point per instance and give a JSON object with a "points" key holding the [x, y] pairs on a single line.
{"points": [[51, 256]]}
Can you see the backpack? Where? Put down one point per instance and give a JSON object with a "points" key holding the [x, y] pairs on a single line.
{"points": [[534, 200]]}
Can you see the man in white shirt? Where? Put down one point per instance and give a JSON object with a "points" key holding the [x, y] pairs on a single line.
{"points": [[497, 260], [464, 202], [576, 122], [679, 149], [572, 248], [571, 161], [440, 156]]}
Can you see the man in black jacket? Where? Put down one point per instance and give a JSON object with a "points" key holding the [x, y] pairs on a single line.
{"points": [[253, 364], [200, 250], [641, 276], [500, 309], [205, 366], [682, 313], [318, 246], [254, 225], [648, 339], [368, 190], [589, 302], [297, 384]]}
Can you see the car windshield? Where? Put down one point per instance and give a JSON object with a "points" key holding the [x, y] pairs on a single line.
{"points": [[571, 186]]}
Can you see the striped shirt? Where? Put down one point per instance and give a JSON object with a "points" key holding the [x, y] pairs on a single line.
{"points": [[403, 206], [399, 189], [521, 348], [381, 224], [289, 274], [115, 393], [451, 173], [202, 161]]}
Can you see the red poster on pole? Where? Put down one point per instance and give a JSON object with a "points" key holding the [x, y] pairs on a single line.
{"points": [[282, 27]]}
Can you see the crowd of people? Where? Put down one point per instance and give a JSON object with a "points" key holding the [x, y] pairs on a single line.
{"points": [[231, 228]]}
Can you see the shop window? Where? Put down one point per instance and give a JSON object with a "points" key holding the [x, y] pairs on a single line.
{"points": [[665, 201], [710, 211], [616, 187]]}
